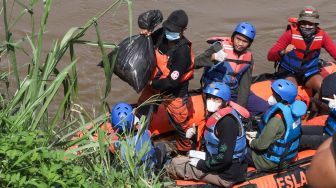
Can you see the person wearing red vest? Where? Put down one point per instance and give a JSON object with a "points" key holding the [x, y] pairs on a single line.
{"points": [[298, 50], [229, 60], [174, 69]]}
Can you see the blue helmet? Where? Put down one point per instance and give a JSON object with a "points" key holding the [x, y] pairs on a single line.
{"points": [[219, 89], [246, 29], [122, 117], [285, 89]]}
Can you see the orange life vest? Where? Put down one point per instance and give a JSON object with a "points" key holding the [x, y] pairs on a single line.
{"points": [[160, 124], [162, 64], [231, 70], [305, 57]]}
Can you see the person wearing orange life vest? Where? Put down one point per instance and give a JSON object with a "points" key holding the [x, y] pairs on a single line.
{"points": [[225, 142], [298, 51], [229, 60], [175, 67]]}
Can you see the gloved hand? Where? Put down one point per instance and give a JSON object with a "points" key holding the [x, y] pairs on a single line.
{"points": [[252, 134], [249, 139], [193, 161], [191, 131], [332, 101], [219, 56]]}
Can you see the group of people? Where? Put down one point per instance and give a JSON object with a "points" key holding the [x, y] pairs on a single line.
{"points": [[228, 65]]}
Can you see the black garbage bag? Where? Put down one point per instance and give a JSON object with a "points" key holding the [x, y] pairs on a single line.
{"points": [[150, 19], [135, 61], [136, 56]]}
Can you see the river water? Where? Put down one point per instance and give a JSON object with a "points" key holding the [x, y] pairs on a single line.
{"points": [[206, 19]]}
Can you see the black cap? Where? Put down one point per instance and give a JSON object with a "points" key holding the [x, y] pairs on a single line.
{"points": [[177, 21], [328, 87]]}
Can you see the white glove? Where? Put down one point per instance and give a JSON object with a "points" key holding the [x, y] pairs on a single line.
{"points": [[252, 134], [193, 161], [332, 101], [191, 132], [220, 56], [249, 139]]}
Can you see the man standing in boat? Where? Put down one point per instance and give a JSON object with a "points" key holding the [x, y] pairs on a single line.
{"points": [[229, 60], [298, 51], [174, 69]]}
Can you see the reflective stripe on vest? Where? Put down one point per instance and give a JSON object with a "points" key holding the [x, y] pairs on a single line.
{"points": [[304, 59], [285, 148], [330, 127], [212, 141], [230, 70], [162, 70]]}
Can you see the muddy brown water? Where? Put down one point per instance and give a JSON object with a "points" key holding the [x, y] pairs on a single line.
{"points": [[206, 19]]}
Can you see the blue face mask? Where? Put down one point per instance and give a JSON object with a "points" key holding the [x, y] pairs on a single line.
{"points": [[172, 35]]}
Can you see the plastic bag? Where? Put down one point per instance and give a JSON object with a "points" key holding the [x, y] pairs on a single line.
{"points": [[150, 19], [136, 57], [135, 61]]}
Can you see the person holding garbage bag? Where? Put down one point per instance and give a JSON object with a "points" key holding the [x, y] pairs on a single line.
{"points": [[174, 68]]}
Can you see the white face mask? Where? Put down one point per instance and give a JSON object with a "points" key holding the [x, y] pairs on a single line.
{"points": [[272, 101], [212, 106]]}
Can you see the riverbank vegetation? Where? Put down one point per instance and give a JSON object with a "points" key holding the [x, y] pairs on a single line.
{"points": [[36, 149]]}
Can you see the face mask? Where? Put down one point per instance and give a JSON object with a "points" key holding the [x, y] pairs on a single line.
{"points": [[212, 106], [172, 35], [307, 32], [272, 101]]}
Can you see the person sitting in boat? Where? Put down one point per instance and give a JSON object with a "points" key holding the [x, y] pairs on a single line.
{"points": [[321, 127], [279, 131], [298, 50], [224, 163], [125, 125], [229, 60]]}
